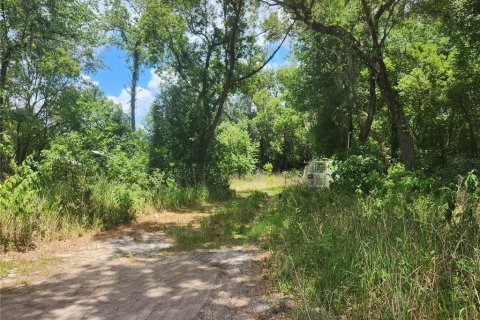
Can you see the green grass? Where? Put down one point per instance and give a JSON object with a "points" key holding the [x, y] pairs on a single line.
{"points": [[272, 184], [24, 267], [352, 258], [388, 255], [382, 256], [231, 225]]}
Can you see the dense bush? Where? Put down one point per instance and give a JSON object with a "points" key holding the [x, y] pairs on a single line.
{"points": [[76, 182], [237, 151], [359, 173], [32, 207]]}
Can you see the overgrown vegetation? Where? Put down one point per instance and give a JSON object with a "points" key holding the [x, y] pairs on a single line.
{"points": [[388, 89], [404, 249]]}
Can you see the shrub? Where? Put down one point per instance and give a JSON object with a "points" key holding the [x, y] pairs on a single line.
{"points": [[171, 194], [268, 168], [360, 173], [237, 151], [66, 193], [19, 207]]}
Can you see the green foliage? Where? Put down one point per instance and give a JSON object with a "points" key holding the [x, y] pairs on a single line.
{"points": [[268, 168], [45, 47], [78, 182], [18, 192], [278, 128], [347, 256], [382, 242], [174, 145], [359, 173], [471, 182], [322, 88], [175, 196], [6, 148], [238, 153]]}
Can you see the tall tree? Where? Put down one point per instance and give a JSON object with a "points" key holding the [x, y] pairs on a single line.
{"points": [[364, 26], [130, 27], [218, 52], [123, 19], [43, 46]]}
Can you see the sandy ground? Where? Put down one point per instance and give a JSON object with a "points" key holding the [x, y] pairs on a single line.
{"points": [[131, 277]]}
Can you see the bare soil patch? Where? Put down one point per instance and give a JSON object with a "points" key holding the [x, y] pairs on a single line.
{"points": [[128, 274]]}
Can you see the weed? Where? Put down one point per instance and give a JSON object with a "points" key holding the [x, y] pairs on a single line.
{"points": [[230, 226], [372, 257]]}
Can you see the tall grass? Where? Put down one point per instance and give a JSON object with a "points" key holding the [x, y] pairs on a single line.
{"points": [[271, 184], [172, 195], [60, 210], [32, 209], [389, 257]]}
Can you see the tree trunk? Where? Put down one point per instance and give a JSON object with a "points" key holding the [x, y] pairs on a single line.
{"points": [[365, 131], [3, 101], [471, 130], [261, 156], [405, 139], [376, 137], [394, 143], [201, 172], [133, 87], [350, 127]]}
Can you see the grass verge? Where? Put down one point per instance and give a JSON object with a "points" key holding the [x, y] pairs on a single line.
{"points": [[368, 258]]}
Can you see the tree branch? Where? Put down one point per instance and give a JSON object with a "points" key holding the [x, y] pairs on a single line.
{"points": [[303, 13], [255, 71], [383, 8], [180, 68]]}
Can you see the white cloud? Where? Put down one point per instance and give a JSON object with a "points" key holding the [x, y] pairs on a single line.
{"points": [[155, 82], [87, 80], [145, 96]]}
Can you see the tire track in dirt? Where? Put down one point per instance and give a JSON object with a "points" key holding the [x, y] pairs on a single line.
{"points": [[127, 278]]}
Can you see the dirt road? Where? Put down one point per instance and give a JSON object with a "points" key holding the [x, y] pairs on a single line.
{"points": [[128, 277]]}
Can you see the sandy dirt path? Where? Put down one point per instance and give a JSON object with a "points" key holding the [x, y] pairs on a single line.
{"points": [[128, 277]]}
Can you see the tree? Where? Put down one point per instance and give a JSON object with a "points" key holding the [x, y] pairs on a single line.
{"points": [[140, 27], [325, 88], [218, 52], [124, 19], [237, 151], [279, 128], [364, 27], [174, 133], [461, 24], [43, 46]]}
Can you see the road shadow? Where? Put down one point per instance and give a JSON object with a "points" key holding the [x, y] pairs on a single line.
{"points": [[218, 284]]}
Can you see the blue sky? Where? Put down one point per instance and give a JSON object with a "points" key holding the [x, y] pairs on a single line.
{"points": [[114, 79], [115, 76]]}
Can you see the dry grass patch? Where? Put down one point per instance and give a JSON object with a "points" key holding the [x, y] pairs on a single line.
{"points": [[173, 218], [270, 184]]}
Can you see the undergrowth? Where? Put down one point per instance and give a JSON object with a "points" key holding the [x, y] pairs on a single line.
{"points": [[407, 249], [48, 203], [401, 252]]}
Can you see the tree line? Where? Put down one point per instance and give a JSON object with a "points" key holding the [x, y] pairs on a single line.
{"points": [[395, 79]]}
